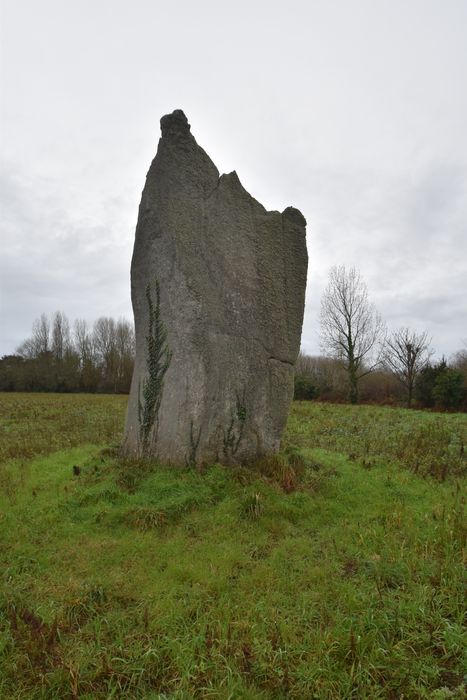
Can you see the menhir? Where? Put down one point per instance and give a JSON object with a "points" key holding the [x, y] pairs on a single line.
{"points": [[218, 288]]}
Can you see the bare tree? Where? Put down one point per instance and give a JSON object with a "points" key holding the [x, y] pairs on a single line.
{"points": [[41, 334], [104, 339], [61, 340], [304, 364], [350, 326], [82, 341], [89, 372], [56, 359], [405, 354], [125, 344], [459, 360], [39, 343], [327, 374]]}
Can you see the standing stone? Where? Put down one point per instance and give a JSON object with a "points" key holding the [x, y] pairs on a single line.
{"points": [[218, 287]]}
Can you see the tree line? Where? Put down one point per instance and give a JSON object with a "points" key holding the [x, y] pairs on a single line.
{"points": [[439, 385], [363, 361], [64, 357]]}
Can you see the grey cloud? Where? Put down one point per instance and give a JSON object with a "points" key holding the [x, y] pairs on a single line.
{"points": [[50, 261], [408, 236], [367, 139]]}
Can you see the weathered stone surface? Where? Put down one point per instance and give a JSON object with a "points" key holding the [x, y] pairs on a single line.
{"points": [[232, 280]]}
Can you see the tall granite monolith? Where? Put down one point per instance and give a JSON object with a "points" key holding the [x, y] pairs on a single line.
{"points": [[218, 288]]}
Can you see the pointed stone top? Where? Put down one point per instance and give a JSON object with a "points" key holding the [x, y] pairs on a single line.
{"points": [[175, 123]]}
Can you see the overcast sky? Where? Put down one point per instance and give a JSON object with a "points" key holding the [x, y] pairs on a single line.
{"points": [[354, 111]]}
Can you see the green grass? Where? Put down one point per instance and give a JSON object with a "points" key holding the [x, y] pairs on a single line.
{"points": [[34, 424], [333, 572]]}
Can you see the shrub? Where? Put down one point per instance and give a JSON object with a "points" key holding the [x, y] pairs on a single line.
{"points": [[304, 388], [447, 391], [425, 383]]}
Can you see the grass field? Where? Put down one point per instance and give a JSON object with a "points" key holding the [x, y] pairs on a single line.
{"points": [[334, 572]]}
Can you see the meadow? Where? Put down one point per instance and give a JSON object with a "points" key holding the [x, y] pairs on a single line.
{"points": [[333, 571]]}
